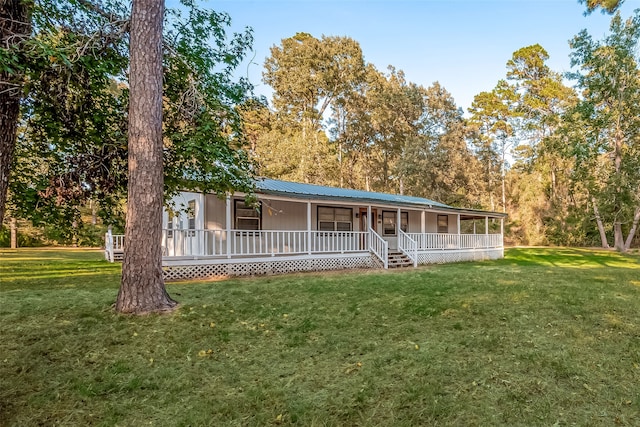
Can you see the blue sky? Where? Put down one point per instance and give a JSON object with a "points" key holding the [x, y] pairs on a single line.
{"points": [[463, 44]]}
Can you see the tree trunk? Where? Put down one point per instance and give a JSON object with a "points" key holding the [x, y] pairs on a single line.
{"points": [[14, 233], [15, 27], [603, 235], [632, 232], [618, 237], [142, 287]]}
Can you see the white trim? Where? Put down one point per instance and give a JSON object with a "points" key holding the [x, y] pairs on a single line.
{"points": [[228, 222], [309, 225], [169, 261]]}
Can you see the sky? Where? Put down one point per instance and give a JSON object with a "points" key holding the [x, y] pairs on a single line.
{"points": [[462, 44]]}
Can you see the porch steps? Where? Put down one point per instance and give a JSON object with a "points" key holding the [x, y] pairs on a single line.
{"points": [[398, 259]]}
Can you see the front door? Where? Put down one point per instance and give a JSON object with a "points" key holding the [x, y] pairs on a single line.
{"points": [[373, 220]]}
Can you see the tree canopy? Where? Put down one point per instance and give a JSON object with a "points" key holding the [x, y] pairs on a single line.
{"points": [[72, 133]]}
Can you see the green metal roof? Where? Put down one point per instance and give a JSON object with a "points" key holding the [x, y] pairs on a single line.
{"points": [[319, 192]]}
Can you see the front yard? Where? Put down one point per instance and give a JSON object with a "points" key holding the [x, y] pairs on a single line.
{"points": [[542, 337]]}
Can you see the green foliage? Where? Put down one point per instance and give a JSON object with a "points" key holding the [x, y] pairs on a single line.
{"points": [[606, 6], [72, 144], [386, 134], [204, 147], [603, 131], [309, 77]]}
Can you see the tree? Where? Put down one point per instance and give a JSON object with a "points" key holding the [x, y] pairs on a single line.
{"points": [[493, 114], [308, 76], [72, 143], [607, 153], [607, 6], [541, 99], [15, 26], [436, 161], [142, 287]]}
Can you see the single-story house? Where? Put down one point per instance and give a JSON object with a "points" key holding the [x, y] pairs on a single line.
{"points": [[304, 227]]}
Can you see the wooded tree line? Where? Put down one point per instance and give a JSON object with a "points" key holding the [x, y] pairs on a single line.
{"points": [[531, 146], [560, 156]]}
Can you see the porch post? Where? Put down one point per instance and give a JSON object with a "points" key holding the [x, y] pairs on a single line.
{"points": [[309, 227], [228, 223], [459, 236], [423, 215], [368, 222], [398, 223], [474, 226], [486, 225], [502, 227]]}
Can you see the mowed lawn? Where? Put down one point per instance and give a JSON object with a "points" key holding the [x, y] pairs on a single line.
{"points": [[542, 337]]}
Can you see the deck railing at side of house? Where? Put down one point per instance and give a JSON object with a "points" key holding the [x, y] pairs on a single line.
{"points": [[113, 243], [379, 247], [443, 241], [408, 246], [261, 242], [243, 243]]}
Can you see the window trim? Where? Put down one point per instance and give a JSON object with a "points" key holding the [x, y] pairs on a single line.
{"points": [[191, 217], [395, 223], [406, 227], [403, 214], [335, 222], [258, 209], [446, 217], [170, 223]]}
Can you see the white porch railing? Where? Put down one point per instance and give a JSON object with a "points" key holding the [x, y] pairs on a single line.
{"points": [[243, 243], [261, 243], [443, 241], [379, 247], [112, 243], [408, 246]]}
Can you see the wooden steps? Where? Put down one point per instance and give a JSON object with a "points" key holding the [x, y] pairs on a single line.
{"points": [[398, 259]]}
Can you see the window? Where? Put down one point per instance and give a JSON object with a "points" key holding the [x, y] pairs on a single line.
{"points": [[389, 222], [247, 217], [335, 219], [191, 217], [404, 221], [170, 224], [443, 223]]}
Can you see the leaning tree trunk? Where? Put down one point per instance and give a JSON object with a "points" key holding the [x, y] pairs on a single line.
{"points": [[15, 27], [632, 232], [618, 237], [603, 234], [142, 287]]}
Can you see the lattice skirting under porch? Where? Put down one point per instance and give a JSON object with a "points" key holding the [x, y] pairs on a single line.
{"points": [[203, 270], [442, 257]]}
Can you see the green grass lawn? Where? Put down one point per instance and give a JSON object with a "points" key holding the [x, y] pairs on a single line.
{"points": [[542, 337]]}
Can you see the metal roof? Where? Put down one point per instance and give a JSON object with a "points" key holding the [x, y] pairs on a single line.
{"points": [[319, 192]]}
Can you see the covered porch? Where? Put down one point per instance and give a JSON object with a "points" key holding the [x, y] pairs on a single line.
{"points": [[302, 227]]}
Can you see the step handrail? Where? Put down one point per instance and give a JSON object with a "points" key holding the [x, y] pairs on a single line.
{"points": [[408, 246], [379, 247], [108, 245]]}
